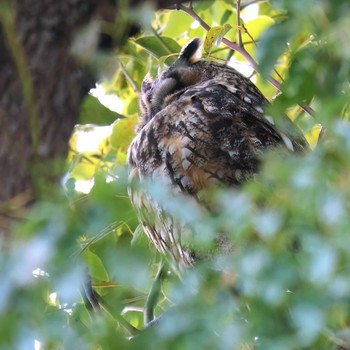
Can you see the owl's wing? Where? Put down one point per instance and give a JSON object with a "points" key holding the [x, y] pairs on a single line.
{"points": [[245, 107]]}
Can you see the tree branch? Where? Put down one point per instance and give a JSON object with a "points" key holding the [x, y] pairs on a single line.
{"points": [[242, 51], [239, 33]]}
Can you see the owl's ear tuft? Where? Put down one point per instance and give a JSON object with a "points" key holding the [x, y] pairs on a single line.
{"points": [[191, 52]]}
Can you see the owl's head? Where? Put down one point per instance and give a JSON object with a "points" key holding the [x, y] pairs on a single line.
{"points": [[187, 71], [177, 77]]}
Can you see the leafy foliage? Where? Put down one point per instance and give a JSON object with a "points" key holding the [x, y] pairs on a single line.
{"points": [[285, 286]]}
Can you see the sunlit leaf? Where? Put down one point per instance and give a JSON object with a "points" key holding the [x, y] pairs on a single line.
{"points": [[313, 135], [85, 169], [214, 36], [273, 43], [227, 17], [92, 111], [123, 132], [137, 234], [177, 23], [96, 268], [159, 46], [254, 28], [285, 282]]}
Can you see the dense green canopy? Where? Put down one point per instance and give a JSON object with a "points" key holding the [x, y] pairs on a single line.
{"points": [[286, 285]]}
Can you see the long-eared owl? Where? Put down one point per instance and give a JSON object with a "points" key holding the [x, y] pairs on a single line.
{"points": [[202, 124]]}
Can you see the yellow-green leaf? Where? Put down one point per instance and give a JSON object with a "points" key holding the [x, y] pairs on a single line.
{"points": [[96, 268], [214, 36], [92, 111], [158, 46], [253, 29], [84, 169], [123, 132], [178, 22], [313, 135]]}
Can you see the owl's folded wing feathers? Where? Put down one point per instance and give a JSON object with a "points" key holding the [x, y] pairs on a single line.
{"points": [[202, 125]]}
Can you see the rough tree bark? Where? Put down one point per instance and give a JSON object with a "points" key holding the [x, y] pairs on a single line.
{"points": [[42, 85]]}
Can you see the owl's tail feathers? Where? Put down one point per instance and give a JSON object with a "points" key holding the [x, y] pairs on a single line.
{"points": [[190, 53]]}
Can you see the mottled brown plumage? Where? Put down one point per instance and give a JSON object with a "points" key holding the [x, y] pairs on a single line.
{"points": [[202, 124]]}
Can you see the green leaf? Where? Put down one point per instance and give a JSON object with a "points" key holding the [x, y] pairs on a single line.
{"points": [[201, 6], [123, 132], [178, 22], [84, 169], [159, 46], [138, 233], [273, 43], [214, 36], [313, 135], [92, 111], [227, 16], [256, 27], [96, 267]]}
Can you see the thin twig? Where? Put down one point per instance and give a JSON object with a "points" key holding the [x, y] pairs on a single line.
{"points": [[227, 42], [243, 52], [239, 33], [127, 309], [161, 41], [106, 231], [98, 305], [230, 44], [190, 11], [129, 78], [278, 74], [120, 320], [308, 109]]}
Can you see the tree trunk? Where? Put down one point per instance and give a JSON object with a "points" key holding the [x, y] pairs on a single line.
{"points": [[41, 88]]}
